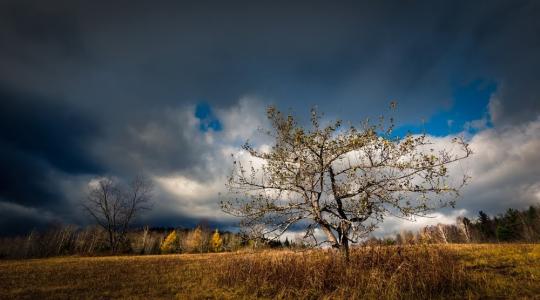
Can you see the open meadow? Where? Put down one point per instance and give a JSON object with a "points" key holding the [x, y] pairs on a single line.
{"points": [[446, 271]]}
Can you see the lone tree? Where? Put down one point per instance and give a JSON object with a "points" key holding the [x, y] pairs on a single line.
{"points": [[114, 206], [343, 181]]}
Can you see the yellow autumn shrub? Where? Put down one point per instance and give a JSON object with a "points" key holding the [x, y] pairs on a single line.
{"points": [[170, 244], [194, 241], [216, 242]]}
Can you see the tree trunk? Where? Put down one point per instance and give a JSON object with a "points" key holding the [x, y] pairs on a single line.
{"points": [[345, 250], [341, 242], [112, 242], [344, 240]]}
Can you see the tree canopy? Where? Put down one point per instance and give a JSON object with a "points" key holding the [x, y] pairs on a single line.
{"points": [[341, 180]]}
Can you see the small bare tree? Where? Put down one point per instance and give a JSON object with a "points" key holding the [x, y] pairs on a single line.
{"points": [[114, 206], [341, 181]]}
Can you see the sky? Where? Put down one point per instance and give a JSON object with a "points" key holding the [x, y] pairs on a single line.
{"points": [[170, 89]]}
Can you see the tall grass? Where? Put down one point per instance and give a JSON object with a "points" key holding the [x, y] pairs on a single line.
{"points": [[505, 271], [372, 272]]}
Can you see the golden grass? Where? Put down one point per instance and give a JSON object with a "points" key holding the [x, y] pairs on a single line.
{"points": [[502, 270], [372, 272], [454, 271]]}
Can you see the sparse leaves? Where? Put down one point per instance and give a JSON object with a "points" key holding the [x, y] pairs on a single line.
{"points": [[343, 181]]}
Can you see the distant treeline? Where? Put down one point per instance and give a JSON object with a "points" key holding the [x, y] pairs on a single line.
{"points": [[59, 240], [512, 226]]}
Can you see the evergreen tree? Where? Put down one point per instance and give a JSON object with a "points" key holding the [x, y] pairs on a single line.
{"points": [[531, 214], [485, 225], [511, 221], [504, 233], [531, 224]]}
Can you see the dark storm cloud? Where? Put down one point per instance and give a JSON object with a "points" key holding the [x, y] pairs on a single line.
{"points": [[358, 55], [154, 142], [19, 220], [101, 87], [36, 136], [47, 130]]}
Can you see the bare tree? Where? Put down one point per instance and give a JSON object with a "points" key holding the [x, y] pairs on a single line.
{"points": [[342, 181], [114, 206]]}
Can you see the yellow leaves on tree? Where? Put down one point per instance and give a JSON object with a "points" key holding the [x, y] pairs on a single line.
{"points": [[194, 242], [216, 242], [170, 244]]}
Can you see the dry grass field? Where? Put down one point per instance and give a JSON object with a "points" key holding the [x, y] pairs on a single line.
{"points": [[411, 272]]}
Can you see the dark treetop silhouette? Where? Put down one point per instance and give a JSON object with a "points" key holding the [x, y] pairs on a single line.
{"points": [[114, 206]]}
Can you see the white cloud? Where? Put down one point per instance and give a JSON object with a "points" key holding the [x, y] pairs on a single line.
{"points": [[243, 121], [187, 188], [394, 225], [479, 124], [495, 108], [195, 192], [505, 169]]}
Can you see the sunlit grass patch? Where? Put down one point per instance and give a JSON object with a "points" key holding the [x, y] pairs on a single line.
{"points": [[503, 269]]}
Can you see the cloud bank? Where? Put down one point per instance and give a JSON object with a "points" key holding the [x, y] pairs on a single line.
{"points": [[173, 89]]}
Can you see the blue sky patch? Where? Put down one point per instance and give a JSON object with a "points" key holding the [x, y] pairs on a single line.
{"points": [[470, 103], [208, 121]]}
